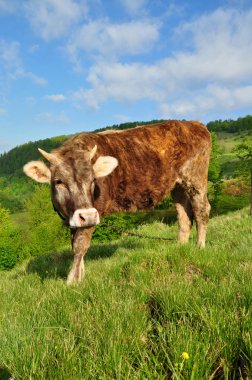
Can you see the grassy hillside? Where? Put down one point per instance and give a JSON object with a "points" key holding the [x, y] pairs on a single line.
{"points": [[142, 304], [227, 142]]}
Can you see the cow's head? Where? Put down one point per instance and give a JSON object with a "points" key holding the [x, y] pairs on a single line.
{"points": [[72, 180]]}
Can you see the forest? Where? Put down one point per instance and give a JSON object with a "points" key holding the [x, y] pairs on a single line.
{"points": [[231, 126]]}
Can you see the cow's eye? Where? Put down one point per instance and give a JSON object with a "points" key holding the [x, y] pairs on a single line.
{"points": [[96, 192], [58, 182]]}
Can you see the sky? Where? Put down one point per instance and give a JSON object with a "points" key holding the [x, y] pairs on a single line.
{"points": [[68, 66]]}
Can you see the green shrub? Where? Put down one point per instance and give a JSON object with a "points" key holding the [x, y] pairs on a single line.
{"points": [[8, 256], [44, 232], [13, 191], [9, 201], [10, 241], [165, 204], [112, 226]]}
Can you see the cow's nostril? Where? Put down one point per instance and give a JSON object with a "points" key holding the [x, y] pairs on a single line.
{"points": [[82, 218]]}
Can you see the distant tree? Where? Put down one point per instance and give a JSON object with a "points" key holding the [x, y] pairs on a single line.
{"points": [[214, 172], [244, 153], [214, 166]]}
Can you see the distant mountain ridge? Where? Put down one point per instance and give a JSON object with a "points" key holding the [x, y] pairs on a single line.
{"points": [[12, 161]]}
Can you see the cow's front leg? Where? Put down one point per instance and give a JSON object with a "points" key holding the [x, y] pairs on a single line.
{"points": [[81, 239]]}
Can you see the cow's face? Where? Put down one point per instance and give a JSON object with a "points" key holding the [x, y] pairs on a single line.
{"points": [[72, 182]]}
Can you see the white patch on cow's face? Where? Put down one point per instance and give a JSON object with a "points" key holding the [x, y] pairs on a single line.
{"points": [[38, 171], [85, 218], [104, 166]]}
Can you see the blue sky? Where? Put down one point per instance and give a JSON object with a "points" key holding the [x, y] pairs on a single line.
{"points": [[77, 65]]}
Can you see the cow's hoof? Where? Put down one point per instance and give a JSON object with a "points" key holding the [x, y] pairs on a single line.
{"points": [[201, 245], [76, 275], [72, 279]]}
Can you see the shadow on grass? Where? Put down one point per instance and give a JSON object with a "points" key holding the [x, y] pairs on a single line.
{"points": [[5, 374], [57, 265], [167, 216]]}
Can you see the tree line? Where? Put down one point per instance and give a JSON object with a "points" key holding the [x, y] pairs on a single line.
{"points": [[13, 161], [231, 126]]}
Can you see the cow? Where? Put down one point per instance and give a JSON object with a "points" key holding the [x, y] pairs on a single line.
{"points": [[95, 174]]}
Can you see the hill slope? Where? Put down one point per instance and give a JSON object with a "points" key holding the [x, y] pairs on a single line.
{"points": [[142, 304], [13, 161]]}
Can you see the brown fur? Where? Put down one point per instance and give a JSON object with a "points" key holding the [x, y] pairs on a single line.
{"points": [[153, 161]]}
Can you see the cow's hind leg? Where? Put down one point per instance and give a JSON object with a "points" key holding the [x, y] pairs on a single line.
{"points": [[201, 209], [81, 239], [184, 211]]}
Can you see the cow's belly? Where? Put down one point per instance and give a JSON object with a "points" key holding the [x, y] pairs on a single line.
{"points": [[140, 200]]}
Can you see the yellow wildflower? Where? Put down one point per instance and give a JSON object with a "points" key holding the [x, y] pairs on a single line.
{"points": [[185, 355]]}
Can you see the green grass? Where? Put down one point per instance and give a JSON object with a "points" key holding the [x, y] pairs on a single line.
{"points": [[142, 304]]}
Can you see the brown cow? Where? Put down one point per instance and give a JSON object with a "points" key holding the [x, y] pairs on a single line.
{"points": [[94, 174]]}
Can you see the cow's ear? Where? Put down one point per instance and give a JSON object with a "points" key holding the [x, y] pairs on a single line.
{"points": [[104, 165], [38, 171]]}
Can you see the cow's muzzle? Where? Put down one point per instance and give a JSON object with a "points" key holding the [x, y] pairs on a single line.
{"points": [[86, 217]]}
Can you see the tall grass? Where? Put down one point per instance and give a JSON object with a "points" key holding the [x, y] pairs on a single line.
{"points": [[142, 304]]}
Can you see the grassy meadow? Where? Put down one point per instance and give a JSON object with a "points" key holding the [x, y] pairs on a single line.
{"points": [[147, 309]]}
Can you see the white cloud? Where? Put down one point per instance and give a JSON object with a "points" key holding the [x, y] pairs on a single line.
{"points": [[20, 73], [124, 83], [113, 40], [40, 81], [134, 7], [215, 97], [56, 98], [52, 19], [7, 5], [9, 54], [213, 72], [221, 46], [13, 65], [173, 9]]}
